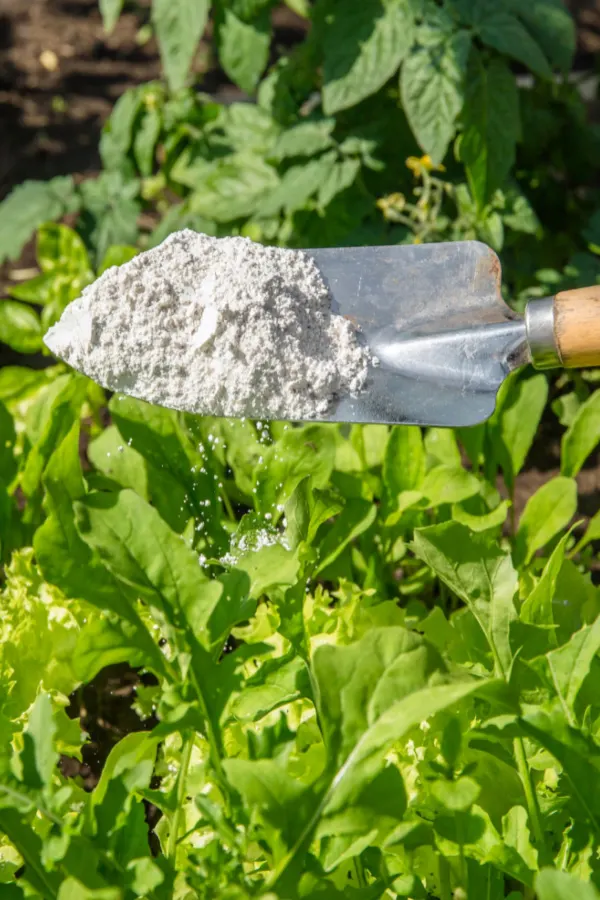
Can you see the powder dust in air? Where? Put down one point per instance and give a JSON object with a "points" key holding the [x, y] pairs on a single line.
{"points": [[220, 326]]}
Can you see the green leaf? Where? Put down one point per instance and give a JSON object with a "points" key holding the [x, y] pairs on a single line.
{"points": [[38, 758], [404, 462], [363, 45], [59, 247], [546, 513], [117, 256], [342, 176], [432, 89], [499, 27], [145, 140], [493, 519], [118, 131], [141, 551], [266, 789], [552, 884], [111, 209], [179, 25], [570, 664], [156, 435], [305, 139], [515, 422], [356, 516], [73, 889], [30, 205], [298, 184], [300, 452], [449, 484], [232, 188], [62, 413], [244, 48], [481, 574], [578, 756], [552, 27], [20, 327], [110, 10], [581, 437], [537, 608], [491, 126]]}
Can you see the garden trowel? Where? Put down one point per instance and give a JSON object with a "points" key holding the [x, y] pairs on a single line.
{"points": [[434, 316], [441, 337]]}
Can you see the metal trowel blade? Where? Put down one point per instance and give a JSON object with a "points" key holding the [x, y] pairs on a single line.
{"points": [[434, 317]]}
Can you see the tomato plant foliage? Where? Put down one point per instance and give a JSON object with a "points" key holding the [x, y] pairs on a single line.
{"points": [[361, 674]]}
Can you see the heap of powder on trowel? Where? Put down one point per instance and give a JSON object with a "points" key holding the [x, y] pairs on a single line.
{"points": [[220, 326]]}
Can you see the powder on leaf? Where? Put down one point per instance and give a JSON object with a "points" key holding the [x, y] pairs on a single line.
{"points": [[220, 326]]}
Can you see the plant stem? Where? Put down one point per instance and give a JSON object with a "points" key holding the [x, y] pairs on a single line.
{"points": [[359, 872], [186, 755], [444, 875], [530, 797]]}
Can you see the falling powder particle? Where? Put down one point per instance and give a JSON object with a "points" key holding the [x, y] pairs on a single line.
{"points": [[216, 326]]}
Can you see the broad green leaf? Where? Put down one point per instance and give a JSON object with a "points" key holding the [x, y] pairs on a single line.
{"points": [[404, 462], [20, 327], [481, 574], [305, 139], [498, 26], [277, 682], [363, 45], [244, 48], [491, 126], [341, 176], [8, 436], [570, 664], [144, 142], [62, 414], [38, 758], [139, 549], [118, 131], [449, 484], [358, 683], [232, 188], [577, 754], [546, 513], [29, 844], [432, 89], [179, 25], [298, 184], [109, 453], [300, 452], [110, 10], [537, 607], [552, 27], [493, 519], [106, 641], [74, 889], [480, 840], [116, 256], [260, 551], [515, 422], [30, 205], [268, 791], [553, 884], [354, 519], [59, 247], [111, 210], [156, 435], [581, 437]]}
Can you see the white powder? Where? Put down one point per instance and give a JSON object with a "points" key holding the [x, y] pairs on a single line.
{"points": [[215, 326]]}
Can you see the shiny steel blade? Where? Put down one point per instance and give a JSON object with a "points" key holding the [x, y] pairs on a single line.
{"points": [[434, 316]]}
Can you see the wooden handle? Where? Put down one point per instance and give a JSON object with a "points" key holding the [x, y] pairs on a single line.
{"points": [[577, 327]]}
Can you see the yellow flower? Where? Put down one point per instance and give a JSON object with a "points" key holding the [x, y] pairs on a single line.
{"points": [[420, 164]]}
